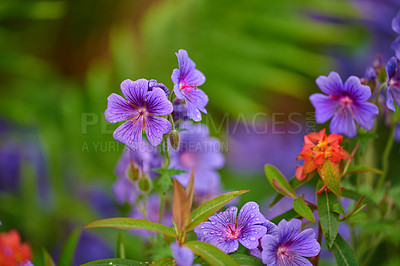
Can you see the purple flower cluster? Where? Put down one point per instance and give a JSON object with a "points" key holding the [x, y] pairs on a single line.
{"points": [[198, 149], [345, 103]]}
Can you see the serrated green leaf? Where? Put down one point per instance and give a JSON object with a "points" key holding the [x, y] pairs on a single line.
{"points": [[303, 209], [130, 223], [344, 255], [329, 173], [208, 208], [362, 169], [328, 219], [68, 250], [280, 181], [119, 262], [244, 259], [210, 253], [164, 262]]}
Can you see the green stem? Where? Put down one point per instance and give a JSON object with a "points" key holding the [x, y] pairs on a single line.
{"points": [[161, 209], [385, 159], [379, 92]]}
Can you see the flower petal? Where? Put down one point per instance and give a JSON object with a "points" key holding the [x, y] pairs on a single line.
{"points": [[124, 191], [251, 235], [357, 92], [157, 103], [130, 132], [395, 46], [396, 23], [135, 91], [269, 245], [364, 114], [250, 215], [325, 107], [305, 244], [331, 85], [186, 65], [288, 230], [183, 255], [195, 78], [226, 217], [343, 123], [196, 100], [391, 67], [155, 128], [389, 99], [118, 109]]}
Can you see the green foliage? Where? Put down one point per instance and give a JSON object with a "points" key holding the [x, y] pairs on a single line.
{"points": [[164, 181], [210, 253], [67, 253], [344, 256], [120, 247], [301, 207], [120, 262], [278, 182], [243, 259]]}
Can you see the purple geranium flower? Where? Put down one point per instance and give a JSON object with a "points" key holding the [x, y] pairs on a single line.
{"points": [[345, 103], [393, 91], [225, 231], [396, 27], [290, 246], [272, 229], [186, 79], [142, 111], [183, 255], [197, 148]]}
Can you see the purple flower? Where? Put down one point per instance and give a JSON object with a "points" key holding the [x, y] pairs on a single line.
{"points": [[183, 255], [396, 27], [272, 229], [197, 148], [142, 111], [345, 103], [290, 246], [186, 79], [180, 110], [225, 231], [154, 84], [393, 91]]}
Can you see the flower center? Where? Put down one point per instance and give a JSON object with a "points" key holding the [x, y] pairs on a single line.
{"points": [[185, 86], [233, 232], [346, 100]]}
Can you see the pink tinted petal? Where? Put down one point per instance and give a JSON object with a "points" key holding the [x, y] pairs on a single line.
{"points": [[331, 85], [135, 91], [343, 124], [195, 78], [357, 92], [364, 114], [155, 128], [288, 230], [118, 109], [389, 100], [157, 103], [325, 107], [305, 244], [129, 132]]}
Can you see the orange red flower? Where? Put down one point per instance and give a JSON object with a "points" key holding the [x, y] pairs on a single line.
{"points": [[12, 251]]}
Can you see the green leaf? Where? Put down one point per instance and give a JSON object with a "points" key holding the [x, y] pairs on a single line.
{"points": [[68, 250], [130, 223], [328, 219], [357, 207], [210, 253], [290, 214], [208, 208], [164, 262], [243, 259], [355, 196], [301, 207], [120, 247], [294, 183], [361, 169], [119, 262], [343, 253], [280, 184], [47, 259], [338, 209], [329, 173], [164, 181]]}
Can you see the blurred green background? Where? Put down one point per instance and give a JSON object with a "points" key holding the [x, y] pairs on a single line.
{"points": [[59, 61]]}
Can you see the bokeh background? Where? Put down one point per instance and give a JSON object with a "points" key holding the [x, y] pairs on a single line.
{"points": [[59, 60]]}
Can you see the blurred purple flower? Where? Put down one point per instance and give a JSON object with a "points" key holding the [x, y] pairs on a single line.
{"points": [[393, 90], [151, 209], [186, 79], [290, 246], [397, 133], [139, 161], [183, 255], [225, 231], [143, 111], [197, 148], [345, 103], [180, 110], [396, 27], [91, 247]]}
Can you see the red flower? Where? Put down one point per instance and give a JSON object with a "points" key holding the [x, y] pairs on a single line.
{"points": [[321, 152], [12, 251]]}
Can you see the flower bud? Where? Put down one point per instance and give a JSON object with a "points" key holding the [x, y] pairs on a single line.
{"points": [[133, 172], [145, 185], [174, 139]]}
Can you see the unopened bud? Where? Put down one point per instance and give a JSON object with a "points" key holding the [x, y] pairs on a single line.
{"points": [[145, 185], [174, 139], [133, 172]]}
